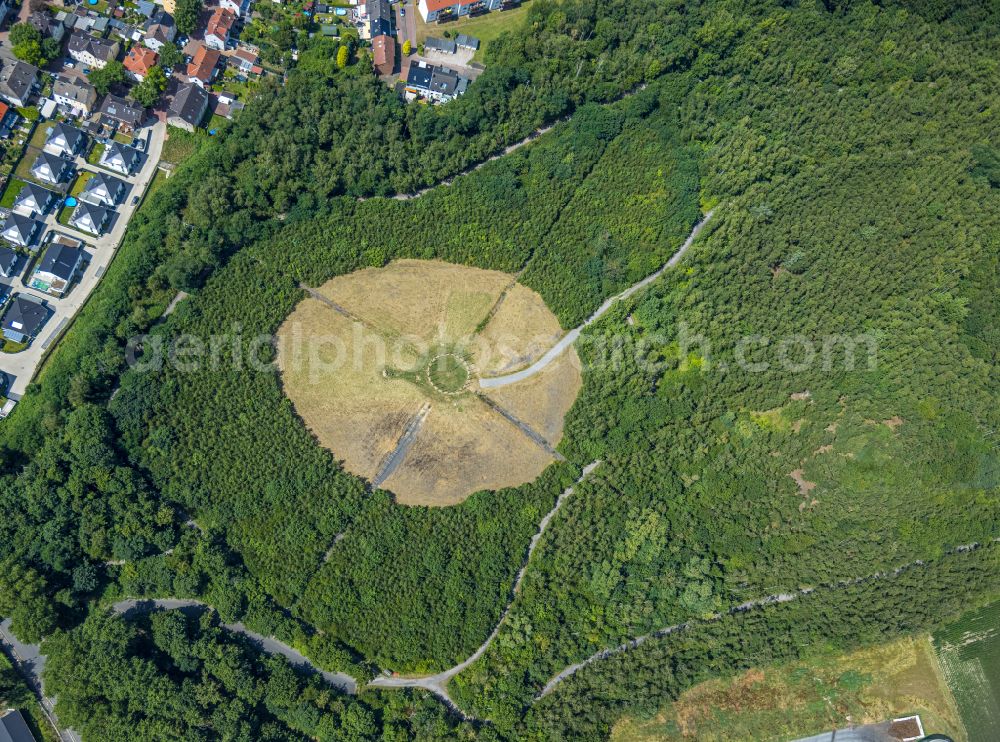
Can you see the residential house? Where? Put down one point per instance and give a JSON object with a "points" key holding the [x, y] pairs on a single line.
{"points": [[226, 105], [380, 18], [140, 60], [8, 120], [47, 25], [89, 217], [438, 84], [160, 30], [464, 41], [20, 230], [18, 81], [75, 95], [92, 52], [384, 54], [220, 24], [147, 8], [5, 7], [23, 319], [51, 169], [65, 140], [121, 159], [57, 268], [245, 61], [202, 68], [444, 10], [8, 262], [236, 7], [445, 46], [33, 199], [188, 107], [121, 114]]}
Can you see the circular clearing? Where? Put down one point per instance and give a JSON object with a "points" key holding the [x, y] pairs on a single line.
{"points": [[382, 365], [448, 373]]}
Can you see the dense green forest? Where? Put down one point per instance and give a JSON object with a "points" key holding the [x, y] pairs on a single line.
{"points": [[850, 151]]}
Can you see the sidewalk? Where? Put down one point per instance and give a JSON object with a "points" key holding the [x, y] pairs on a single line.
{"points": [[20, 368]]}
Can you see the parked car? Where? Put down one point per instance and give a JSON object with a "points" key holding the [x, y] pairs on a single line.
{"points": [[135, 200]]}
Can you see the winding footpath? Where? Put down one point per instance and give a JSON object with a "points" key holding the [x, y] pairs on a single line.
{"points": [[741, 608], [571, 337], [436, 683], [268, 644]]}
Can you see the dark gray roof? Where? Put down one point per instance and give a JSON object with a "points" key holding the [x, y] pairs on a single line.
{"points": [[43, 22], [443, 81], [14, 729], [441, 45], [98, 214], [100, 48], [40, 196], [189, 104], [161, 18], [72, 135], [25, 226], [8, 259], [26, 315], [379, 17], [419, 77], [74, 88], [470, 42], [111, 183], [120, 110], [60, 260], [56, 164], [17, 78]]}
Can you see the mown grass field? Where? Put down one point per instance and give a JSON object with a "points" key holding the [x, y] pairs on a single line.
{"points": [[826, 692], [969, 653], [486, 27]]}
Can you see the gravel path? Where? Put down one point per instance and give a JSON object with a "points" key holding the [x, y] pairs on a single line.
{"points": [[571, 337]]}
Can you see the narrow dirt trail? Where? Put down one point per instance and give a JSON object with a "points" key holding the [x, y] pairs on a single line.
{"points": [[436, 683], [742, 607], [571, 337]]}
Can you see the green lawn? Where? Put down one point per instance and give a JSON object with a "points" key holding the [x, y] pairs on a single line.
{"points": [[14, 186], [121, 138], [40, 134], [94, 156], [486, 27], [80, 182], [180, 145], [23, 169]]}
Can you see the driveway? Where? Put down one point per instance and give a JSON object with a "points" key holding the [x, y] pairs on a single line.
{"points": [[406, 25], [20, 368]]}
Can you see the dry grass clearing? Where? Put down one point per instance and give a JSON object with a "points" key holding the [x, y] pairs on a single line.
{"points": [[823, 693], [344, 377], [520, 331]]}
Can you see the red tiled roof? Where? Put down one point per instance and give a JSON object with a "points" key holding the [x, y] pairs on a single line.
{"points": [[384, 53], [203, 63], [433, 5], [4, 108], [219, 24], [140, 59]]}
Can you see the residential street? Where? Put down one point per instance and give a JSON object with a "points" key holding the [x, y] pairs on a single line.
{"points": [[20, 367], [406, 25]]}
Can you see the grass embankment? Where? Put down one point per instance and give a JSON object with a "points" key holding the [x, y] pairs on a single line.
{"points": [[485, 27], [822, 693]]}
